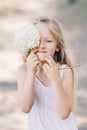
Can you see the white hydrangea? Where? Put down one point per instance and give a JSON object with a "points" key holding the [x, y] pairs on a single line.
{"points": [[27, 38]]}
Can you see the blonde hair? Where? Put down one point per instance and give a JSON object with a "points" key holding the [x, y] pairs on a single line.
{"points": [[64, 56]]}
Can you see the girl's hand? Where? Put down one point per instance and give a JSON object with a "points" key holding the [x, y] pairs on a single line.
{"points": [[32, 62], [51, 69]]}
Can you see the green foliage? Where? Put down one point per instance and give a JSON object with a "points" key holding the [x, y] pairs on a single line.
{"points": [[60, 4], [83, 3]]}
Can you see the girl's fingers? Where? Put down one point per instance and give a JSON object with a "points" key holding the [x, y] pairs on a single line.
{"points": [[33, 51], [36, 62], [50, 61], [35, 58], [32, 56], [46, 66]]}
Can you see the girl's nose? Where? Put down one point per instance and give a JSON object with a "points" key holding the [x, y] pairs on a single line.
{"points": [[42, 45]]}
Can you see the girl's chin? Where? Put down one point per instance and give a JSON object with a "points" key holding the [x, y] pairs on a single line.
{"points": [[42, 59]]}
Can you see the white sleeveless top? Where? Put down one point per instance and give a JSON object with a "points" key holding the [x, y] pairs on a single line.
{"points": [[42, 115]]}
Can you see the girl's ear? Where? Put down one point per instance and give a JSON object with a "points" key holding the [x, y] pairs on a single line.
{"points": [[57, 49]]}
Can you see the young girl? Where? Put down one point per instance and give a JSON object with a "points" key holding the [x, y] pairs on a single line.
{"points": [[45, 88]]}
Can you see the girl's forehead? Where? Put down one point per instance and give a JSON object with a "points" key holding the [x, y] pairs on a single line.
{"points": [[38, 25], [44, 30], [42, 27]]}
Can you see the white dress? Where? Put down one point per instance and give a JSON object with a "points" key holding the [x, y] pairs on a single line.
{"points": [[43, 115]]}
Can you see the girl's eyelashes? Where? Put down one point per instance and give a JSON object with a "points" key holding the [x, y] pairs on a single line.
{"points": [[46, 41], [49, 41]]}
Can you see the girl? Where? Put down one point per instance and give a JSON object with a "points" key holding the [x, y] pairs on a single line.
{"points": [[45, 88]]}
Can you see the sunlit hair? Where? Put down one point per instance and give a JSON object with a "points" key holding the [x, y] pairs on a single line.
{"points": [[64, 56]]}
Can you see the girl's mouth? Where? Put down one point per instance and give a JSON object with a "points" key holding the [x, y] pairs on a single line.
{"points": [[41, 51]]}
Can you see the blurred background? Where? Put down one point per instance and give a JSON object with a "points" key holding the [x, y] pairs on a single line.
{"points": [[14, 14]]}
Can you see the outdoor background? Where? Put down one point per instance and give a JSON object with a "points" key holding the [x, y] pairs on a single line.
{"points": [[14, 14]]}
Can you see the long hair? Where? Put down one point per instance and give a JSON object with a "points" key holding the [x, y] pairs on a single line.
{"points": [[64, 56]]}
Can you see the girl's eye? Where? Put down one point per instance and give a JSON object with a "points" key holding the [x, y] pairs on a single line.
{"points": [[49, 41]]}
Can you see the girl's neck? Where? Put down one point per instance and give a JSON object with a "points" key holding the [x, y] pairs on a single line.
{"points": [[40, 70]]}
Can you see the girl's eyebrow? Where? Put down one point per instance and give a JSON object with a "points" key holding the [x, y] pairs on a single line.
{"points": [[48, 38]]}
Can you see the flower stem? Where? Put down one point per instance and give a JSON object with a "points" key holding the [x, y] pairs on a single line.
{"points": [[70, 67]]}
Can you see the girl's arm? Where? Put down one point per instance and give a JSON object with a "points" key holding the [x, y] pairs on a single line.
{"points": [[62, 88], [63, 93], [25, 80]]}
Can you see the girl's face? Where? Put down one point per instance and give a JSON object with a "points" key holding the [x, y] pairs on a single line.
{"points": [[48, 44]]}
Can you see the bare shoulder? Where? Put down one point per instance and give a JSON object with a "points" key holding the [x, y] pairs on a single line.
{"points": [[21, 69], [21, 74], [67, 74]]}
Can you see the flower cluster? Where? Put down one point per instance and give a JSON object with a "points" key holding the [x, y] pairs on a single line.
{"points": [[27, 38]]}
